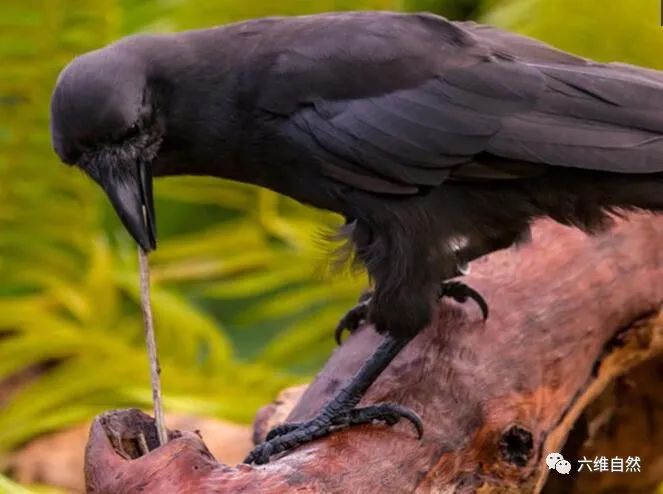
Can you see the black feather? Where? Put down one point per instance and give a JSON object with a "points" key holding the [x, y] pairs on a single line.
{"points": [[425, 134]]}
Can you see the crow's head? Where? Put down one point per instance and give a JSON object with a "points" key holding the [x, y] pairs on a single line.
{"points": [[104, 120]]}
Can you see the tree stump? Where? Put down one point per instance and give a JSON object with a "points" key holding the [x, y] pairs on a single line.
{"points": [[570, 360]]}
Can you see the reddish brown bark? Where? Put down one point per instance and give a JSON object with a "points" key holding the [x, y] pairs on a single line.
{"points": [[566, 321]]}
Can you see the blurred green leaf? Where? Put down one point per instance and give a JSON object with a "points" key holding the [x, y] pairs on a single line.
{"points": [[9, 487], [605, 30]]}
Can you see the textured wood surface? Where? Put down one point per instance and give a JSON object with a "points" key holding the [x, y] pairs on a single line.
{"points": [[566, 321]]}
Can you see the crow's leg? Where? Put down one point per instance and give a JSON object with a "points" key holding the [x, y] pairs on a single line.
{"points": [[354, 317], [460, 292], [341, 411]]}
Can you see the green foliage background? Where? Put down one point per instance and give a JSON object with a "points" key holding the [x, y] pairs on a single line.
{"points": [[243, 304]]}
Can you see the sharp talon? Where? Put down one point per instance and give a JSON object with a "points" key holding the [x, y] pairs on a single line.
{"points": [[460, 292], [386, 412], [414, 419], [352, 319], [338, 332], [479, 300]]}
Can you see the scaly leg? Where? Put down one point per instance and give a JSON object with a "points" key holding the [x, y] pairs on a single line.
{"points": [[341, 411]]}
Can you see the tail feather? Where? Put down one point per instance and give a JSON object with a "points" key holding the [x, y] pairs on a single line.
{"points": [[596, 116]]}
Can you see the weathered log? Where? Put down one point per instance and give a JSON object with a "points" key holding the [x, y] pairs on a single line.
{"points": [[570, 315]]}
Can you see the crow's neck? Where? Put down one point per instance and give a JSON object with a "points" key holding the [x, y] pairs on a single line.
{"points": [[196, 77]]}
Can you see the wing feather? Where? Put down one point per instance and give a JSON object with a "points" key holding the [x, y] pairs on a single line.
{"points": [[451, 95]]}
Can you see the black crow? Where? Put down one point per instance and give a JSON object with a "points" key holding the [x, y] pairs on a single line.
{"points": [[439, 142]]}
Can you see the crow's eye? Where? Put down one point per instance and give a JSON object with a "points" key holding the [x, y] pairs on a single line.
{"points": [[132, 132], [122, 136]]}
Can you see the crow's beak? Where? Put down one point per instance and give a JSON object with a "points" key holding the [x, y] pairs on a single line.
{"points": [[131, 196]]}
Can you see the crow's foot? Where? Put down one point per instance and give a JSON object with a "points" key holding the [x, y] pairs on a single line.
{"points": [[353, 318], [342, 411], [460, 292], [288, 436]]}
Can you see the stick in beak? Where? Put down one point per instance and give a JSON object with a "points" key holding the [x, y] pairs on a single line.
{"points": [[131, 197], [130, 193], [146, 238], [150, 340]]}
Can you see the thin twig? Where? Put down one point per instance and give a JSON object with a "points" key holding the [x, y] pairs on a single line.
{"points": [[142, 444], [151, 344]]}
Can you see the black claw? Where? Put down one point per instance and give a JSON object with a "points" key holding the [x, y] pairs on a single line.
{"points": [[460, 292], [481, 302], [340, 328], [388, 413], [352, 319], [478, 299], [288, 436]]}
